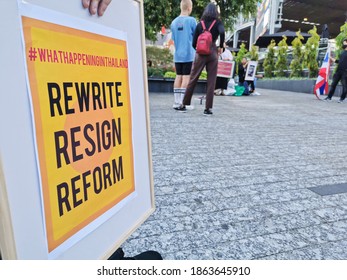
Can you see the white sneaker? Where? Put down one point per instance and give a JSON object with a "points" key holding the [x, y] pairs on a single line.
{"points": [[218, 92], [255, 93]]}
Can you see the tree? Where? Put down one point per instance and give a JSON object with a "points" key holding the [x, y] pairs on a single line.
{"points": [[230, 9], [311, 52], [296, 64], [339, 39], [281, 64], [161, 12], [254, 53], [241, 53], [157, 14], [269, 61], [159, 57]]}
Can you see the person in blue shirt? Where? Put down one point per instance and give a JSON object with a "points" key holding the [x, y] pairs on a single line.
{"points": [[182, 29]]}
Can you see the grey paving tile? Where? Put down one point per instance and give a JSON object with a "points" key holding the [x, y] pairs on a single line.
{"points": [[338, 228], [291, 221], [245, 200], [332, 214], [256, 212], [299, 205], [256, 247], [323, 233], [193, 254], [338, 179], [326, 251], [167, 243], [190, 196], [179, 209], [282, 242], [308, 253], [289, 195], [339, 199], [234, 191], [235, 186]]}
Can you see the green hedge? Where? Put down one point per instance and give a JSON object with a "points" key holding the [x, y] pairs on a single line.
{"points": [[171, 74]]}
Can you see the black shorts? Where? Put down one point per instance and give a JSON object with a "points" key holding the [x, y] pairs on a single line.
{"points": [[183, 68]]}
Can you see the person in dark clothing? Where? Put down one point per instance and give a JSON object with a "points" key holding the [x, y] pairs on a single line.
{"points": [[242, 75], [222, 82], [209, 61], [252, 86], [147, 255], [340, 75], [325, 32]]}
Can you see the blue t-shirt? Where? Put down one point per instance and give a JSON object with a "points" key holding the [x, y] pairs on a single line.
{"points": [[182, 29]]}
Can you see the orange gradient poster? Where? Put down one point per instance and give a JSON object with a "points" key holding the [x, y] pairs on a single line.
{"points": [[80, 96]]}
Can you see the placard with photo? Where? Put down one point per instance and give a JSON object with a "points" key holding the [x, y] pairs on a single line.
{"points": [[251, 70]]}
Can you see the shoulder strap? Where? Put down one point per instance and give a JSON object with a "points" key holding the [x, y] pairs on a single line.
{"points": [[213, 22], [203, 25]]}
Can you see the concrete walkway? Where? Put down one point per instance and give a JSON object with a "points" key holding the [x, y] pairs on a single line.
{"points": [[236, 185]]}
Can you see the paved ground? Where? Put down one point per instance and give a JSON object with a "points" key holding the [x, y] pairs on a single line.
{"points": [[236, 185]]}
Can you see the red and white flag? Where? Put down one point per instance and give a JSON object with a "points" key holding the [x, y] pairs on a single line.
{"points": [[322, 85]]}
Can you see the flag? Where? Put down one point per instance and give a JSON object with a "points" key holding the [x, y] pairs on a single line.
{"points": [[322, 84]]}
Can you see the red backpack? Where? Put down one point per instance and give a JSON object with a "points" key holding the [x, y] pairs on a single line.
{"points": [[204, 42]]}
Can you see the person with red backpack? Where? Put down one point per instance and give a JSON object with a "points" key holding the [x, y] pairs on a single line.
{"points": [[204, 41]]}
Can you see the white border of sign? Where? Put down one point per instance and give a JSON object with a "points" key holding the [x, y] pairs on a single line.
{"points": [[251, 70], [21, 215], [231, 70]]}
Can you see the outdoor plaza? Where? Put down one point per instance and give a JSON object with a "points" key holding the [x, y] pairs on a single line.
{"points": [[265, 177]]}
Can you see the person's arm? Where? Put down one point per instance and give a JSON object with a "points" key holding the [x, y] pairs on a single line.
{"points": [[197, 32], [241, 70], [342, 58], [96, 6], [221, 32], [172, 33]]}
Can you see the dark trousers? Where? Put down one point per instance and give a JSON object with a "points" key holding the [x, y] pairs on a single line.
{"points": [[246, 86], [211, 63], [221, 83], [251, 84], [339, 76], [344, 86]]}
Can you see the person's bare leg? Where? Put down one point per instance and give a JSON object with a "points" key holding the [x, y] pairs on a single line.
{"points": [[177, 91]]}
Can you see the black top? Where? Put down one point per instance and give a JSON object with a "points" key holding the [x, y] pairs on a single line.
{"points": [[242, 73], [342, 62], [217, 30]]}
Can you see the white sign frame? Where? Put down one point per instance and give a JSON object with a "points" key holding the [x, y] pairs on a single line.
{"points": [[232, 70], [22, 230], [251, 70]]}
